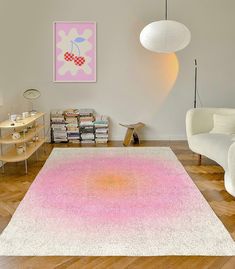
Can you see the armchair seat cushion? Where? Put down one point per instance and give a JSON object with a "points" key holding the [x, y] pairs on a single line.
{"points": [[214, 146]]}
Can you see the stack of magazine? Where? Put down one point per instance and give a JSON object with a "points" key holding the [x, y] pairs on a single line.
{"points": [[101, 125], [79, 126], [87, 126], [71, 119], [58, 127]]}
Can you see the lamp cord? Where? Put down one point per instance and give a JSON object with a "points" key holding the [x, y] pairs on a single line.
{"points": [[195, 84], [196, 92], [166, 10]]}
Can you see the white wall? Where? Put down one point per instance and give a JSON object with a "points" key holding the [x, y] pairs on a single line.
{"points": [[133, 84]]}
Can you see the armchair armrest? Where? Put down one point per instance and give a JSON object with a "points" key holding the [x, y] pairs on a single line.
{"points": [[199, 120]]}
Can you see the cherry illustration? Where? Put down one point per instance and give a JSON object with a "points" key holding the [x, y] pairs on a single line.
{"points": [[79, 60], [69, 57], [75, 57]]}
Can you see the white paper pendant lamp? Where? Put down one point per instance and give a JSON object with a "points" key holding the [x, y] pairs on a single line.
{"points": [[165, 36]]}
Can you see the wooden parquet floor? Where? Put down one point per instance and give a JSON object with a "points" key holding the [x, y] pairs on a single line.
{"points": [[208, 177]]}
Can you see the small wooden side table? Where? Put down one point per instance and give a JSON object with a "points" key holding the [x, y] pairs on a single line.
{"points": [[132, 132]]}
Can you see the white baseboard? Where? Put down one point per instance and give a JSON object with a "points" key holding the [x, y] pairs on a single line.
{"points": [[158, 138]]}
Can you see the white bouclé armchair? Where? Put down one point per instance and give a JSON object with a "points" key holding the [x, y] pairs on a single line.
{"points": [[216, 146]]}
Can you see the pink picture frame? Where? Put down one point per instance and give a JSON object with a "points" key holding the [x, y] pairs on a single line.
{"points": [[74, 51]]}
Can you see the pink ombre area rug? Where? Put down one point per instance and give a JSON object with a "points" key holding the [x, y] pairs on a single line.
{"points": [[114, 201]]}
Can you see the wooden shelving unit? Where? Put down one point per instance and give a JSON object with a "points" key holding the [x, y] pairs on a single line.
{"points": [[28, 136], [22, 123], [32, 140]]}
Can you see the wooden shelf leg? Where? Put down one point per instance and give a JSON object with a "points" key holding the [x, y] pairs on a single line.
{"points": [[26, 167], [44, 132], [37, 155], [3, 168], [44, 148]]}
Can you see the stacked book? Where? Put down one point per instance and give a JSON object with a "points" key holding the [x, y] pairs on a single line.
{"points": [[73, 125], [101, 125], [71, 120], [87, 126], [58, 127]]}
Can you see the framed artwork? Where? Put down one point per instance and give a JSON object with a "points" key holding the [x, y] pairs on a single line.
{"points": [[74, 52]]}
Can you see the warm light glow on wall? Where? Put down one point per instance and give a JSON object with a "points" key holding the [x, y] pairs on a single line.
{"points": [[163, 70], [171, 69]]}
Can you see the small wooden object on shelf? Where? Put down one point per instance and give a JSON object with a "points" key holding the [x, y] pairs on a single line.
{"points": [[132, 132], [32, 138]]}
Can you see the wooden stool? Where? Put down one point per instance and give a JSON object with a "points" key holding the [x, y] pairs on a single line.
{"points": [[132, 132]]}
